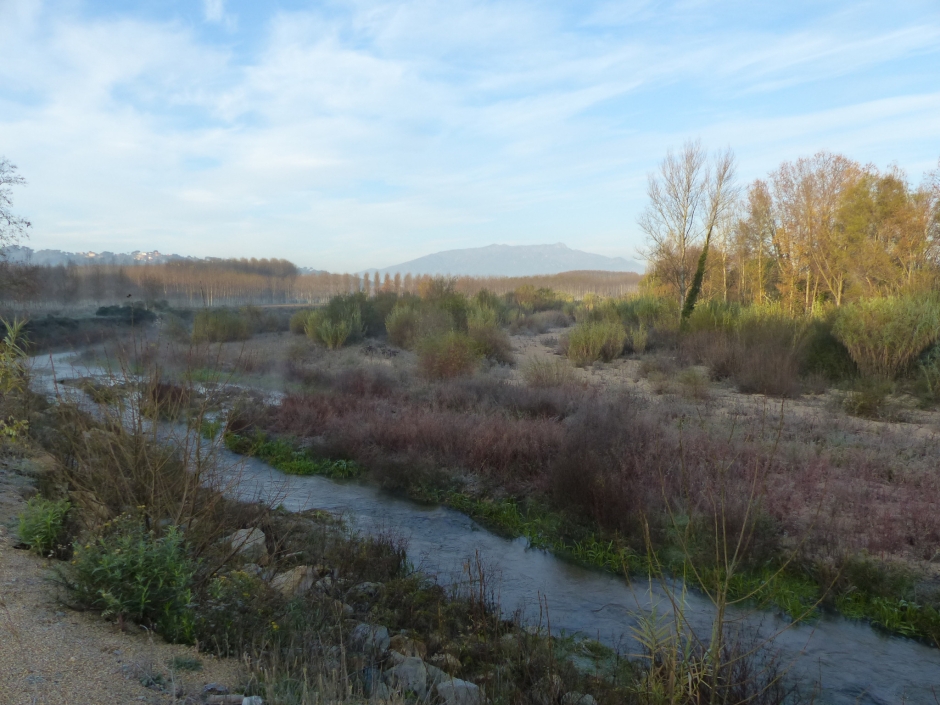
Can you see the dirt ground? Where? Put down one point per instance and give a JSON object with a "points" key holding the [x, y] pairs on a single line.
{"points": [[53, 655]]}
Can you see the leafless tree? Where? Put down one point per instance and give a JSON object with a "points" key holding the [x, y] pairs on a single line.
{"points": [[12, 227], [687, 198]]}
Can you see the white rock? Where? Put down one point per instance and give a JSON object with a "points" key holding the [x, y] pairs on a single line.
{"points": [[253, 700], [249, 544], [410, 676], [370, 638], [459, 692], [294, 582]]}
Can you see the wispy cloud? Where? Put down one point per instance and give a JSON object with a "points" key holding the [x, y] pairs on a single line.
{"points": [[354, 135]]}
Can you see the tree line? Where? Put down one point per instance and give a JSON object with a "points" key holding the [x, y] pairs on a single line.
{"points": [[265, 282], [823, 229]]}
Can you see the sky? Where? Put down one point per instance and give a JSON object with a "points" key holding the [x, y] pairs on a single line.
{"points": [[357, 134]]}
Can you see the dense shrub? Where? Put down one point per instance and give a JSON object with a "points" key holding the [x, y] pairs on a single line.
{"points": [[647, 311], [334, 329], [760, 349], [220, 326], [42, 524], [449, 355], [592, 341], [885, 335], [298, 321], [492, 343], [540, 322], [402, 325], [552, 372], [132, 573], [825, 355], [131, 314]]}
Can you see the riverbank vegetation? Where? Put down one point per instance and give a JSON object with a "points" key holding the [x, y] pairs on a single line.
{"points": [[145, 531]]}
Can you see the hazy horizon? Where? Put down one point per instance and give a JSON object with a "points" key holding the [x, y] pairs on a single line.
{"points": [[346, 136]]}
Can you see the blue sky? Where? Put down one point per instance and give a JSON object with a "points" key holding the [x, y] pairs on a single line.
{"points": [[346, 135]]}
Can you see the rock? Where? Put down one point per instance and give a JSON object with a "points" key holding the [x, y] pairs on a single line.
{"points": [[249, 544], [253, 700], [436, 675], [225, 700], [448, 662], [408, 647], [410, 676], [575, 698], [458, 692], [370, 638], [294, 582], [324, 584], [364, 591], [395, 658], [381, 693], [214, 689]]}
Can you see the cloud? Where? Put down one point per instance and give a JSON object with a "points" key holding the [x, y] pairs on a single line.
{"points": [[214, 10], [355, 135]]}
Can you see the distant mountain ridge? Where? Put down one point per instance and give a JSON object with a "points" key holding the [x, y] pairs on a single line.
{"points": [[55, 258], [512, 261]]}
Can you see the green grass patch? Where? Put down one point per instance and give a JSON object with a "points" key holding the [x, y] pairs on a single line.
{"points": [[898, 616], [286, 457], [42, 524]]}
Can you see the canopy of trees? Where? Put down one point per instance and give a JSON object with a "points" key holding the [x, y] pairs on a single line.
{"points": [[820, 229]]}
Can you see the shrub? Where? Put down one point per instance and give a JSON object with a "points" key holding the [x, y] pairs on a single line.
{"points": [[298, 321], [869, 399], [131, 573], [450, 355], [825, 355], [220, 326], [332, 335], [540, 322], [548, 373], [334, 330], [885, 335], [638, 338], [402, 325], [492, 343], [649, 311], [693, 383], [42, 524], [595, 340]]}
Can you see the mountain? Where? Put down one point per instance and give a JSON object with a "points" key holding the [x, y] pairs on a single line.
{"points": [[512, 261], [53, 258]]}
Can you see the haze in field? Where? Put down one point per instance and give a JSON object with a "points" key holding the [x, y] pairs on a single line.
{"points": [[366, 134]]}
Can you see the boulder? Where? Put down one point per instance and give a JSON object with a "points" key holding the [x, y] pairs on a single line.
{"points": [[408, 647], [458, 692], [369, 638], [409, 676], [364, 591], [249, 544], [294, 582], [447, 662]]}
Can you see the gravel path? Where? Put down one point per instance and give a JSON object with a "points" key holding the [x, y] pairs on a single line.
{"points": [[51, 655]]}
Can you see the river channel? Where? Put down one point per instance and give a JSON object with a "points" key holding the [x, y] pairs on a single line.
{"points": [[848, 660]]}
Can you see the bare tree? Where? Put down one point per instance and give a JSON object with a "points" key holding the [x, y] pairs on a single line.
{"points": [[687, 198], [12, 227]]}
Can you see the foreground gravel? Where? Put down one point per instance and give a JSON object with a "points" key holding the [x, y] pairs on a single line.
{"points": [[51, 655]]}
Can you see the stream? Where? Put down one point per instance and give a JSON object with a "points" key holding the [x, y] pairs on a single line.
{"points": [[850, 661]]}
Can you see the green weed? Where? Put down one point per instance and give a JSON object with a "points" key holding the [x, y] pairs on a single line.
{"points": [[42, 524]]}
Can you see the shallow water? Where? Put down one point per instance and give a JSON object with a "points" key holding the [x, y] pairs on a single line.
{"points": [[851, 662]]}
